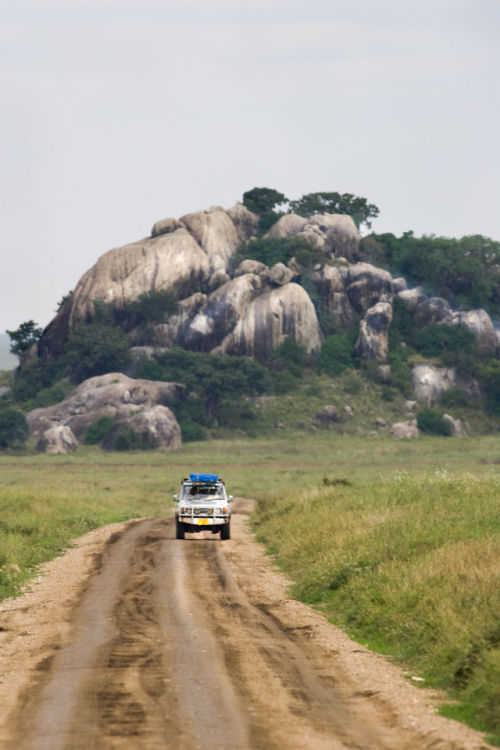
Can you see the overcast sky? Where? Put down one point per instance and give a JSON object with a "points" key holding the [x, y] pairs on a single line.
{"points": [[117, 113]]}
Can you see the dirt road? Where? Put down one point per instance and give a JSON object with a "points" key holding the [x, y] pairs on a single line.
{"points": [[150, 642]]}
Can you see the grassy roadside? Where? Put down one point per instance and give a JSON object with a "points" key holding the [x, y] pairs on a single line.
{"points": [[406, 560], [410, 565]]}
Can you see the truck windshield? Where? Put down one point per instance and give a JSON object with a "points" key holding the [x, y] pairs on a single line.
{"points": [[198, 490]]}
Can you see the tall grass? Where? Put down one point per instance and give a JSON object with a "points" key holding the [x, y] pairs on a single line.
{"points": [[410, 564]]}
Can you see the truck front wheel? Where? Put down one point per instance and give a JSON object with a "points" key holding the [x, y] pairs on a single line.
{"points": [[179, 529], [225, 532]]}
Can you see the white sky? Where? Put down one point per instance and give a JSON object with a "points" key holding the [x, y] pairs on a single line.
{"points": [[117, 113]]}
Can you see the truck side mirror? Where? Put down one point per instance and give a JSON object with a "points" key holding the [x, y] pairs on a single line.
{"points": [[231, 497], [176, 497]]}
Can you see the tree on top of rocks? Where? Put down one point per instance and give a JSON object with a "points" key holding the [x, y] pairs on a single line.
{"points": [[262, 200], [336, 203]]}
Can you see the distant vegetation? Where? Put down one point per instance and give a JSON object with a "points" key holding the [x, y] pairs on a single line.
{"points": [[270, 204], [464, 271]]}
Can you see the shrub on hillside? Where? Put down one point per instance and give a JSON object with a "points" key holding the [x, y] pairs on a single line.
{"points": [[286, 364], [95, 349], [337, 353], [98, 430], [431, 421], [125, 438], [453, 398], [35, 377], [271, 250], [14, 428], [489, 376], [151, 307], [210, 377], [445, 341], [465, 270]]}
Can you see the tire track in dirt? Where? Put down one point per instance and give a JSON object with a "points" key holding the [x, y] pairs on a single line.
{"points": [[192, 645]]}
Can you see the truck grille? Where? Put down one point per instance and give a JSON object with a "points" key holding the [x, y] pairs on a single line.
{"points": [[203, 511]]}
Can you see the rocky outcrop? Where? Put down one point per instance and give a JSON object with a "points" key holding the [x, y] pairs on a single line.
{"points": [[165, 226], [156, 426], [114, 395], [57, 439], [429, 383], [366, 285], [221, 312], [270, 318], [412, 297], [432, 310], [215, 232], [332, 234], [329, 282], [480, 324], [277, 275], [250, 266], [245, 222], [173, 329], [455, 425], [373, 339]]}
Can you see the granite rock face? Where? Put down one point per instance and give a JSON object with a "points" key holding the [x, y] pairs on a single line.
{"points": [[373, 339], [366, 285], [270, 318], [332, 234], [57, 439], [113, 395]]}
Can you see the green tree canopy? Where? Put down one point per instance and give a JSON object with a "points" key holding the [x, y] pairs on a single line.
{"points": [[95, 349], [13, 428], [23, 337], [465, 270], [262, 200], [336, 203]]}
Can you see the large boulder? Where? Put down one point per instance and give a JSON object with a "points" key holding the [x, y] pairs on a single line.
{"points": [[270, 318], [329, 282], [156, 426], [250, 266], [172, 330], [366, 285], [277, 275], [215, 232], [174, 262], [429, 382], [373, 339], [245, 222], [114, 395], [411, 297], [333, 234], [455, 425], [432, 310], [222, 310], [480, 324], [57, 439], [164, 226], [405, 430]]}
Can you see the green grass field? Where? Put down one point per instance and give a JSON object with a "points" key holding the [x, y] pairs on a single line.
{"points": [[397, 542]]}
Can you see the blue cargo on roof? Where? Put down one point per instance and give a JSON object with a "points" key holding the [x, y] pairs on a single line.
{"points": [[204, 477]]}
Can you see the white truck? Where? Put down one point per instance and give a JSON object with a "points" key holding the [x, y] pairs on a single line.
{"points": [[203, 505]]}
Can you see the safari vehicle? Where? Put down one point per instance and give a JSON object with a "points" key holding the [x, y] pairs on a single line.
{"points": [[202, 505]]}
